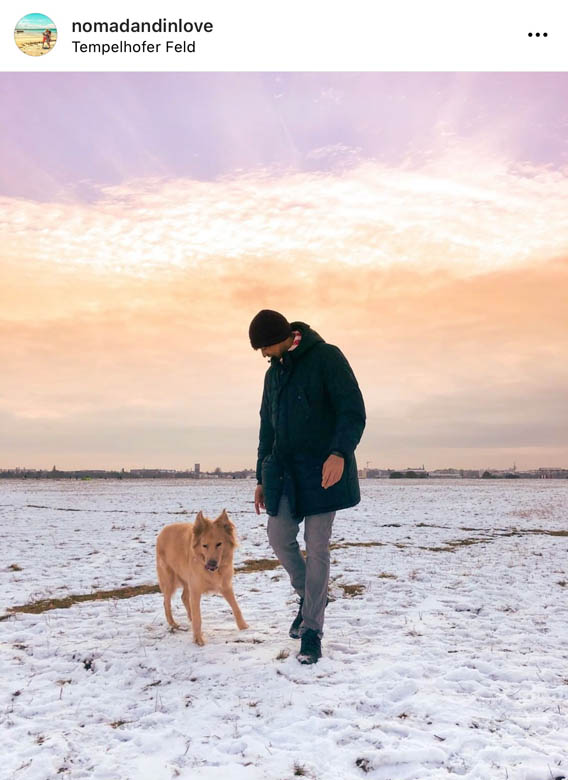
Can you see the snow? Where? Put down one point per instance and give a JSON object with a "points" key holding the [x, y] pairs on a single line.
{"points": [[450, 661]]}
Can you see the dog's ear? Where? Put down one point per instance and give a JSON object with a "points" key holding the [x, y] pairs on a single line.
{"points": [[225, 522], [198, 527]]}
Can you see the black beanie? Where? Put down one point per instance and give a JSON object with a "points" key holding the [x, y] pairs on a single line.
{"points": [[268, 328]]}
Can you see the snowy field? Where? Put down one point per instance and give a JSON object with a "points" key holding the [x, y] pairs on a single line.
{"points": [[445, 647]]}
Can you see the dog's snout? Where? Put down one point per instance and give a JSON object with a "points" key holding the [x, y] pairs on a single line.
{"points": [[211, 564]]}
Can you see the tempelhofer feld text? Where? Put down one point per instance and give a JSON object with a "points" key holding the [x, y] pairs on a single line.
{"points": [[125, 47]]}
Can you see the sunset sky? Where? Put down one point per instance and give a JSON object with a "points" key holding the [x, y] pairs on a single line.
{"points": [[417, 220]]}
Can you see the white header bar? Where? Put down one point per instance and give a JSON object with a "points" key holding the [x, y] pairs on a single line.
{"points": [[296, 35]]}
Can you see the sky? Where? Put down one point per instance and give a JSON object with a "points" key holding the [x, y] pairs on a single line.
{"points": [[416, 220], [35, 22]]}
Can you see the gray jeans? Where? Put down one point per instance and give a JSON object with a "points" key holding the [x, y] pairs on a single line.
{"points": [[309, 577]]}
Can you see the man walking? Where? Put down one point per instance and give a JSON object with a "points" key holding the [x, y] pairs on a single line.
{"points": [[312, 417]]}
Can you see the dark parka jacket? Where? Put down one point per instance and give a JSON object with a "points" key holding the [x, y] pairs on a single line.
{"points": [[311, 407]]}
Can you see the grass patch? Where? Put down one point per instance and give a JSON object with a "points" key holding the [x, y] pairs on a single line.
{"points": [[438, 549], [263, 564], [501, 534], [257, 564], [542, 512], [433, 525], [457, 543], [350, 591], [44, 605], [386, 576], [468, 542], [36, 607], [343, 545], [533, 532]]}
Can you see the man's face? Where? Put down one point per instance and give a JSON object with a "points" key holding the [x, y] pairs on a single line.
{"points": [[276, 350]]}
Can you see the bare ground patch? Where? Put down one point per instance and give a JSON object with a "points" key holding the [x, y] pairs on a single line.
{"points": [[257, 564], [265, 564], [350, 591], [455, 544], [44, 605], [113, 511]]}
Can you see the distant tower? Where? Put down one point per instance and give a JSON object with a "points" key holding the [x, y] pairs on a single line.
{"points": [[197, 468]]}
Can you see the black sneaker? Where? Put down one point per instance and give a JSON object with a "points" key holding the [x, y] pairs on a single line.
{"points": [[310, 649], [294, 631]]}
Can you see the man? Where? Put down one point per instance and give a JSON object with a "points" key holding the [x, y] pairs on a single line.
{"points": [[312, 417]]}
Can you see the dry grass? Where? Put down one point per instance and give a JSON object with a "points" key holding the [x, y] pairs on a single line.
{"points": [[44, 605], [282, 655], [35, 607], [541, 512], [455, 544], [350, 591], [268, 564], [257, 564]]}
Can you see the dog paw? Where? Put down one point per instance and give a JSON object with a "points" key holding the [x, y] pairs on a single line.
{"points": [[199, 640], [242, 626]]}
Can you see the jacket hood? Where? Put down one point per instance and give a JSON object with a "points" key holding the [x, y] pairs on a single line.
{"points": [[309, 339]]}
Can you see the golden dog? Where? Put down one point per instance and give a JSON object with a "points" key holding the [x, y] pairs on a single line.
{"points": [[197, 557]]}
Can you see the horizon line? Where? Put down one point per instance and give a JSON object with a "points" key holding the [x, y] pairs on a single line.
{"points": [[219, 469]]}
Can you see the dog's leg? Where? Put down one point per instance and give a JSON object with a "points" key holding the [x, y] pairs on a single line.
{"points": [[168, 610], [230, 596], [166, 579], [185, 599], [195, 599]]}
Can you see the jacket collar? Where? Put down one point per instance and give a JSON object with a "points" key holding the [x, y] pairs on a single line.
{"points": [[309, 339]]}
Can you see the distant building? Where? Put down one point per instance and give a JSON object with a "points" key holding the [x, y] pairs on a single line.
{"points": [[151, 473], [553, 473]]}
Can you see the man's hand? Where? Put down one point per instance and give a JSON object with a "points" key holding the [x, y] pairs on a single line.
{"points": [[332, 471], [259, 499]]}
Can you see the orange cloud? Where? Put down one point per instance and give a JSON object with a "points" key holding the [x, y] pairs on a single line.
{"points": [[442, 286]]}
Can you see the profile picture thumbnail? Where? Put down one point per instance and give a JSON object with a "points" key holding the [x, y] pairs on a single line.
{"points": [[35, 34]]}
